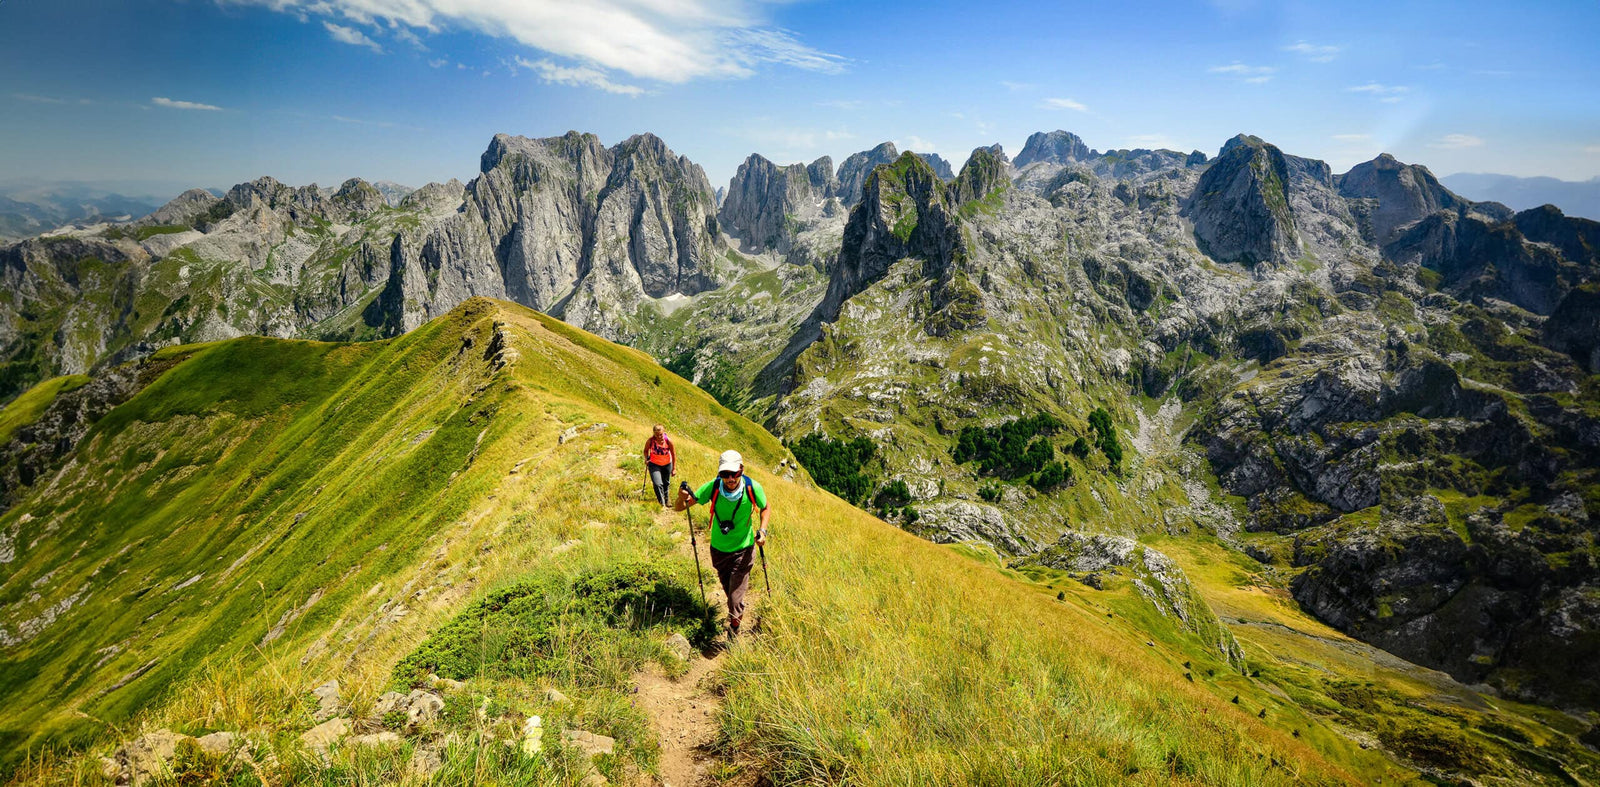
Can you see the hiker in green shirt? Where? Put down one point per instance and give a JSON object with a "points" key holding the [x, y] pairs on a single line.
{"points": [[732, 498]]}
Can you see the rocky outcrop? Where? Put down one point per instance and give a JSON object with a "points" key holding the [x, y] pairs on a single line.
{"points": [[1055, 147], [1156, 578], [1240, 208], [355, 200], [854, 169], [1398, 194], [1574, 327], [823, 181], [185, 210], [764, 201], [985, 172], [939, 166], [1478, 259]]}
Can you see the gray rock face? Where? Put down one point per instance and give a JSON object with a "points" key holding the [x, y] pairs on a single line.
{"points": [[1240, 208], [985, 172], [1479, 258], [1055, 147], [855, 168], [1574, 327], [1402, 193], [355, 200], [939, 166], [561, 224], [184, 210], [764, 202], [822, 178]]}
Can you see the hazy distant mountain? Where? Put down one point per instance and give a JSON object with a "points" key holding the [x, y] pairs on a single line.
{"points": [[1573, 197], [30, 207]]}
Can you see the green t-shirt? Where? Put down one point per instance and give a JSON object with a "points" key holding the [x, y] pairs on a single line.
{"points": [[741, 535]]}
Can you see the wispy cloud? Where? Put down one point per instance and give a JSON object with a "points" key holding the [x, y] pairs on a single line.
{"points": [[1153, 141], [790, 141], [1016, 87], [853, 103], [1248, 74], [350, 35], [406, 35], [1352, 138], [440, 63], [1062, 103], [919, 144], [1316, 53], [577, 76], [1593, 150], [1456, 142], [670, 41], [1388, 94], [33, 99], [174, 104]]}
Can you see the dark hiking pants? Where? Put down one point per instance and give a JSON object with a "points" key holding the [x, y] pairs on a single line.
{"points": [[733, 570], [661, 478]]}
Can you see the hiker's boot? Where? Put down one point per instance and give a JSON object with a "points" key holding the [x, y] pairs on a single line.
{"points": [[733, 627]]}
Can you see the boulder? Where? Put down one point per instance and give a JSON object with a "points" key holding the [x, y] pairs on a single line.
{"points": [[328, 703], [678, 645], [326, 734]]}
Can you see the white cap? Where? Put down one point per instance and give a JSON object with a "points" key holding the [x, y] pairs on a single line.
{"points": [[730, 461]]}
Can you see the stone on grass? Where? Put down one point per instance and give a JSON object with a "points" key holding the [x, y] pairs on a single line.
{"points": [[320, 737], [554, 696], [384, 738], [679, 646], [218, 742], [144, 758], [589, 743], [328, 704]]}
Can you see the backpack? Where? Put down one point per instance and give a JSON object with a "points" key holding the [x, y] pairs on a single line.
{"points": [[727, 524]]}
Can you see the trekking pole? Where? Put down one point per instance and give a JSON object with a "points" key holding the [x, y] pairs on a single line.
{"points": [[764, 575], [688, 516]]}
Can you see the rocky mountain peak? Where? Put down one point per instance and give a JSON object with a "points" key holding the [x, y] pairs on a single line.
{"points": [[358, 199], [939, 165], [1056, 147], [1240, 208], [986, 170], [183, 210], [822, 178], [853, 172], [763, 200], [1403, 193]]}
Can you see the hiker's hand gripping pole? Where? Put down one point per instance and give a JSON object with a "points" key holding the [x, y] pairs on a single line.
{"points": [[688, 516]]}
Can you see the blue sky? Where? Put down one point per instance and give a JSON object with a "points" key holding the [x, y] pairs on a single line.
{"points": [[213, 92]]}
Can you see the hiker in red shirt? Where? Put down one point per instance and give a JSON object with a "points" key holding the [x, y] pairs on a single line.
{"points": [[659, 459]]}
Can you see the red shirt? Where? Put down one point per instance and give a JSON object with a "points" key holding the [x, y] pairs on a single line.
{"points": [[660, 452]]}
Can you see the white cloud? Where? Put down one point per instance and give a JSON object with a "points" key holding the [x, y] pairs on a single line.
{"points": [[919, 144], [1016, 87], [1352, 138], [1316, 53], [1593, 150], [405, 34], [1388, 94], [576, 76], [672, 41], [1253, 75], [1062, 103], [31, 98], [172, 104], [1456, 142], [842, 104], [440, 63], [350, 35]]}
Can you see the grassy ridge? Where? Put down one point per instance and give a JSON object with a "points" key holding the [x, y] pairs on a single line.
{"points": [[339, 502], [27, 408]]}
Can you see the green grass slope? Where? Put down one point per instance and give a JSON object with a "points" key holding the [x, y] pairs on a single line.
{"points": [[27, 408], [270, 514]]}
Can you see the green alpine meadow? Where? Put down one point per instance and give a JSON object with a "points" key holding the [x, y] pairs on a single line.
{"points": [[738, 393]]}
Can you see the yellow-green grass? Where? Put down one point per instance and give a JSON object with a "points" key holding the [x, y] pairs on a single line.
{"points": [[1340, 692], [395, 482], [26, 408]]}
